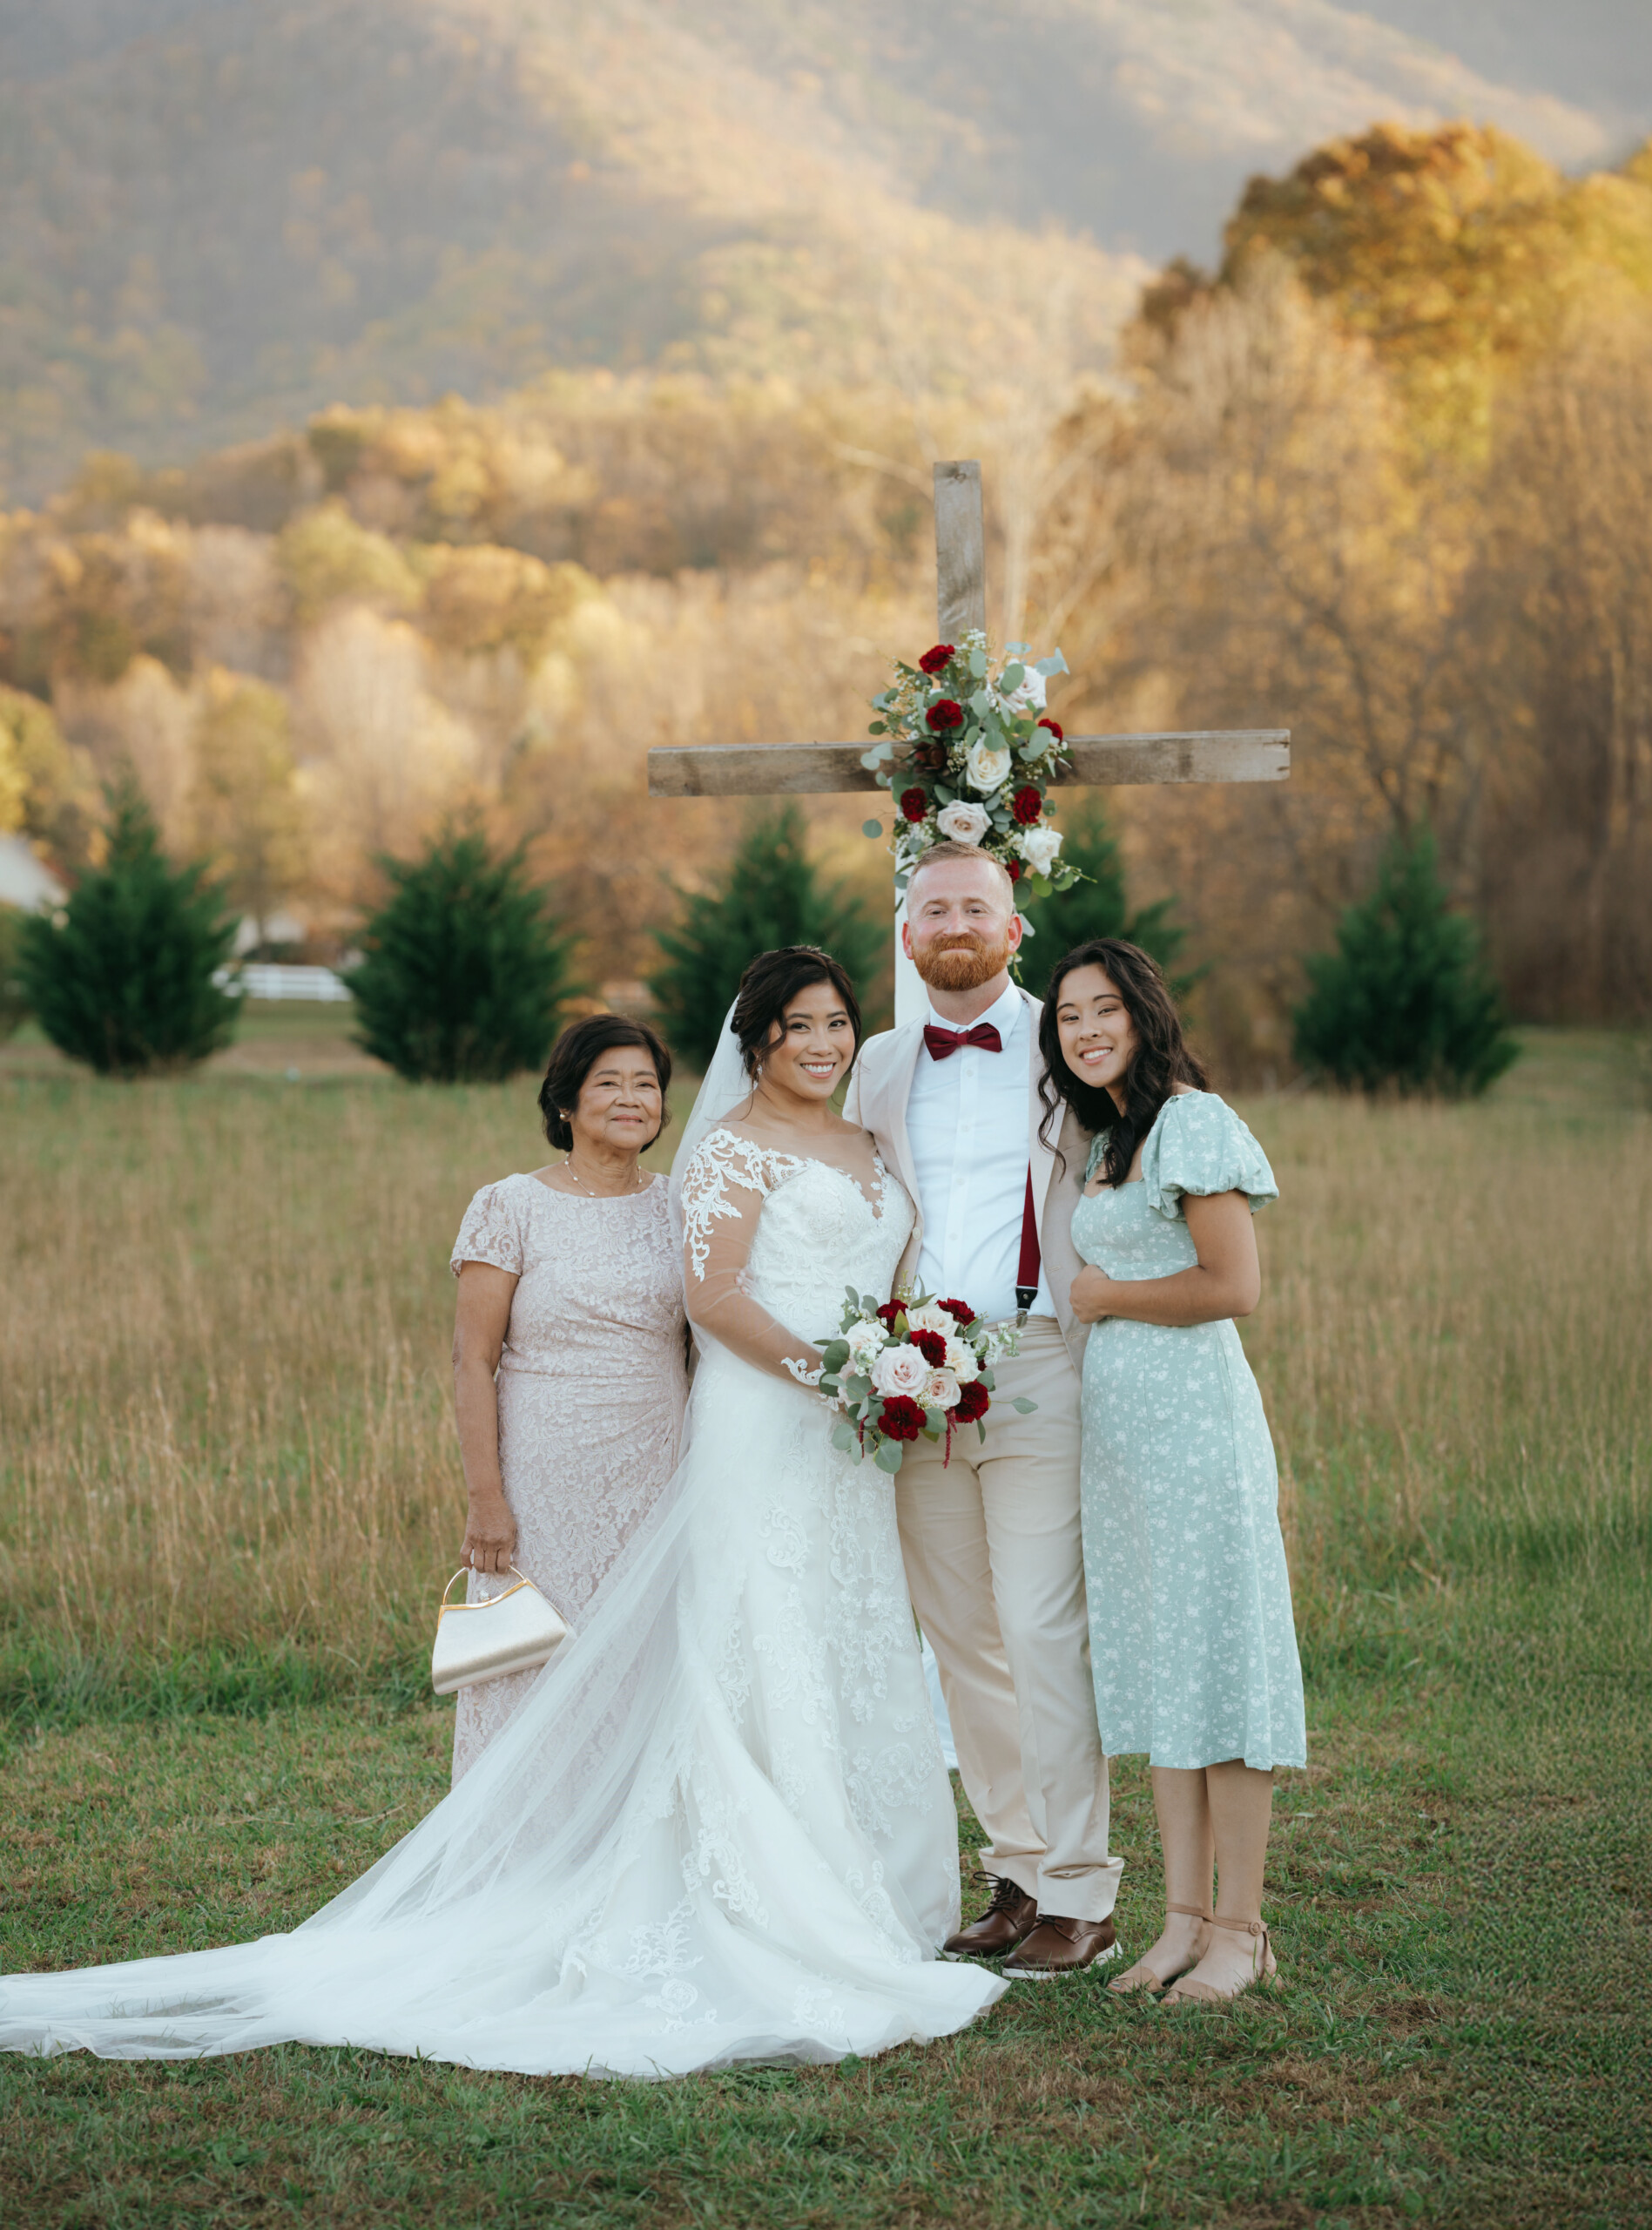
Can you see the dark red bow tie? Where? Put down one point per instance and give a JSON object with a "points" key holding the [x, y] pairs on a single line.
{"points": [[943, 1044]]}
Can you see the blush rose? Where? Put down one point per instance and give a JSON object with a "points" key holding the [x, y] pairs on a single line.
{"points": [[899, 1370]]}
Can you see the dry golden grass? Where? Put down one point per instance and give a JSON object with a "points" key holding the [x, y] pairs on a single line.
{"points": [[224, 1313]]}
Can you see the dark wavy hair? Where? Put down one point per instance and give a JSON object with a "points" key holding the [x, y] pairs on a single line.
{"points": [[1162, 1058], [769, 984], [576, 1053]]}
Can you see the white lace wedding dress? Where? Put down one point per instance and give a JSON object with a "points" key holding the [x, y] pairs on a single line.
{"points": [[718, 1828]]}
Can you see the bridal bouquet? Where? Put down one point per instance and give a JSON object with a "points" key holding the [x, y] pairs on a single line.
{"points": [[903, 1367], [968, 753]]}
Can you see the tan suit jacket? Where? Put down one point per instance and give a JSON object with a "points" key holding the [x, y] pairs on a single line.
{"points": [[879, 1090]]}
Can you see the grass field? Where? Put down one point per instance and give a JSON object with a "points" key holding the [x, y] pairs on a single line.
{"points": [[230, 1495]]}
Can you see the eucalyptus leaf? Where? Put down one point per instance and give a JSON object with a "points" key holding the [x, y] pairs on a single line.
{"points": [[1021, 1404], [888, 1456], [843, 1435], [977, 661], [1054, 663], [1011, 678], [872, 828]]}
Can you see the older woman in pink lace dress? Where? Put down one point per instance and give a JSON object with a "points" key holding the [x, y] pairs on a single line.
{"points": [[569, 1350]]}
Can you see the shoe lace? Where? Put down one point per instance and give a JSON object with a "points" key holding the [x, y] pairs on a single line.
{"points": [[1006, 1895]]}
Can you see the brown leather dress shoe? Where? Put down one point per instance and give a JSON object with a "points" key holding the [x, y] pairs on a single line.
{"points": [[1011, 1915], [1061, 1947]]}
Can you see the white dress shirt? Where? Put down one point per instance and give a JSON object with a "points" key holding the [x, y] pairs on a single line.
{"points": [[967, 1123]]}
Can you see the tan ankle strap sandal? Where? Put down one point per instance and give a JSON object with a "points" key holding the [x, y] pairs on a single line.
{"points": [[1264, 1966], [1141, 1979]]}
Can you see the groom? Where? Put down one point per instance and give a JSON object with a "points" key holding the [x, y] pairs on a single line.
{"points": [[991, 1539]]}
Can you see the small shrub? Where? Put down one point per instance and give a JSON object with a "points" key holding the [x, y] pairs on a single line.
{"points": [[122, 978], [1096, 906], [1407, 1002], [770, 895], [466, 974]]}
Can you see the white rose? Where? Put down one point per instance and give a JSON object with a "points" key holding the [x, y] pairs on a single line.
{"points": [[1028, 696], [932, 1317], [987, 766], [1039, 846], [867, 1343], [901, 1370], [940, 1391], [962, 1361], [964, 824]]}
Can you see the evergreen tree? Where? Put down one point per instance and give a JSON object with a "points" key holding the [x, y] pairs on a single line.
{"points": [[14, 1007], [770, 896], [1407, 1002], [122, 978], [1097, 906], [466, 974]]}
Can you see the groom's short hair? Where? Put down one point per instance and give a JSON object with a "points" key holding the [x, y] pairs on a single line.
{"points": [[950, 851]]}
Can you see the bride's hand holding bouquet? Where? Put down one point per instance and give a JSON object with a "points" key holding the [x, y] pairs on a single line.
{"points": [[898, 1368]]}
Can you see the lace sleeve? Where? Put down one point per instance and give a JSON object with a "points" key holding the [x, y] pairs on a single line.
{"points": [[491, 1232], [723, 1190]]}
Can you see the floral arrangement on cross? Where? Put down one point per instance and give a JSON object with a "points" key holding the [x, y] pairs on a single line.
{"points": [[968, 753]]}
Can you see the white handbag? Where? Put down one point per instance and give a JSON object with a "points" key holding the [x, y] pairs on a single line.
{"points": [[478, 1641]]}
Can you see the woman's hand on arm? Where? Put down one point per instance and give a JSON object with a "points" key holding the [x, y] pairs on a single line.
{"points": [[480, 1324], [1225, 1281]]}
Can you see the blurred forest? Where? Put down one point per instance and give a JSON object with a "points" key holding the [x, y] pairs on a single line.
{"points": [[1384, 476]]}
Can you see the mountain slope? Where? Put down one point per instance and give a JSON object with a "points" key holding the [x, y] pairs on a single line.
{"points": [[214, 214]]}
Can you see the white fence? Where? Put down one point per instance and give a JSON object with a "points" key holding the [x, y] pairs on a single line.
{"points": [[268, 980]]}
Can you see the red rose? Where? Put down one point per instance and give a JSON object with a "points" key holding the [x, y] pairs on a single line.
{"points": [[932, 757], [931, 1347], [914, 803], [1012, 868], [1025, 806], [960, 1311], [938, 661], [903, 1418], [1056, 729], [890, 1310], [973, 1403], [946, 716]]}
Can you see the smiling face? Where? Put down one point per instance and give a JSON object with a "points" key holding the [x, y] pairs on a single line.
{"points": [[961, 924], [1098, 1039], [620, 1106], [810, 1047]]}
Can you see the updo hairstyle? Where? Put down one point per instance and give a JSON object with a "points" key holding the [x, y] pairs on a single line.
{"points": [[576, 1053], [769, 984]]}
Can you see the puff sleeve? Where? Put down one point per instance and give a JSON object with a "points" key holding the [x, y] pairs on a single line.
{"points": [[492, 1230], [1199, 1146]]}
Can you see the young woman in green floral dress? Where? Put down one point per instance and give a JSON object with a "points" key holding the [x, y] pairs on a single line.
{"points": [[1192, 1645]]}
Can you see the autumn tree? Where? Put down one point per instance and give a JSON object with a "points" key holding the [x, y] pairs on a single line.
{"points": [[1455, 250], [1561, 668], [245, 812]]}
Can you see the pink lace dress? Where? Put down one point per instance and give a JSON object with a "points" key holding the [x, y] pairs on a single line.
{"points": [[592, 1386]]}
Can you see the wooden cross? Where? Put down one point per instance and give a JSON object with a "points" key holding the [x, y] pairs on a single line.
{"points": [[730, 770]]}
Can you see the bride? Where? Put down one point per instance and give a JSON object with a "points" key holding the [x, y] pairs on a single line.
{"points": [[719, 1827]]}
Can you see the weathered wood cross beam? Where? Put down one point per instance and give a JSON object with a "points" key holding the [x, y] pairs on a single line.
{"points": [[724, 770]]}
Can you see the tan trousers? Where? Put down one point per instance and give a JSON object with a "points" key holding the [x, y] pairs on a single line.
{"points": [[994, 1560]]}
